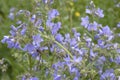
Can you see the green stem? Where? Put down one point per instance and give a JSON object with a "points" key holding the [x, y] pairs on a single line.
{"points": [[64, 48], [57, 44], [71, 18], [29, 62]]}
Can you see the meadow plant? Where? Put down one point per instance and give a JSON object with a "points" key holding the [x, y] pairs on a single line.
{"points": [[49, 54]]}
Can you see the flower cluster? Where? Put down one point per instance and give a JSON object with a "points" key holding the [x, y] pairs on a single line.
{"points": [[74, 55]]}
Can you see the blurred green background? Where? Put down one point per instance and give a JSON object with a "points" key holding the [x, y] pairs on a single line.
{"points": [[68, 10]]}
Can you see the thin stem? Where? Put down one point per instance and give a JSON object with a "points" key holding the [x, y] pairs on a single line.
{"points": [[29, 62], [71, 18], [64, 48], [52, 38]]}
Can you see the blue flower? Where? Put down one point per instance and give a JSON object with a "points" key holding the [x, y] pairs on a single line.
{"points": [[5, 39], [13, 30], [34, 78], [92, 26], [29, 47], [52, 14], [67, 38], [76, 34], [101, 43], [37, 40], [101, 60], [99, 13], [47, 1], [118, 25], [11, 15], [76, 78], [41, 28], [97, 36], [55, 28], [73, 42], [85, 21], [23, 31], [67, 59], [100, 63], [11, 42], [106, 31], [92, 54], [81, 51], [108, 75], [77, 60], [17, 45], [33, 18], [57, 77], [49, 24], [59, 38], [23, 78], [88, 11], [117, 60], [38, 23]]}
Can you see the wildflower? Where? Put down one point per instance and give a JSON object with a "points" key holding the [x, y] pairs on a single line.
{"points": [[23, 31], [101, 60], [12, 9], [76, 78], [92, 54], [85, 21], [29, 47], [13, 30], [58, 77], [59, 38], [34, 78], [106, 31], [108, 74], [38, 23], [77, 14], [19, 22], [49, 24], [29, 78], [33, 18], [99, 13], [117, 60], [118, 25], [52, 14], [11, 16], [55, 28], [101, 43], [11, 42], [97, 36], [100, 63], [37, 40], [92, 26], [73, 42], [77, 60], [67, 38], [5, 39], [47, 1], [88, 11], [20, 12], [93, 10], [77, 36], [41, 28]]}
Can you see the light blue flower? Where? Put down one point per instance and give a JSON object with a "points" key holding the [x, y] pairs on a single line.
{"points": [[85, 21], [52, 14]]}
